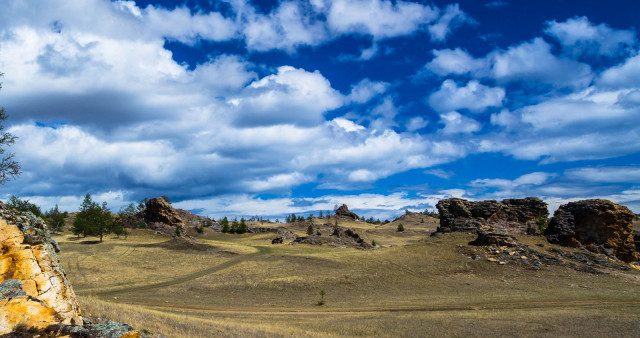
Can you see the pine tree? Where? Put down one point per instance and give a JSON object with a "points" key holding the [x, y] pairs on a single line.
{"points": [[225, 224], [242, 227]]}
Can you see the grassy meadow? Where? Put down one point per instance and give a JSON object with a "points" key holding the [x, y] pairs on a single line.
{"points": [[411, 284]]}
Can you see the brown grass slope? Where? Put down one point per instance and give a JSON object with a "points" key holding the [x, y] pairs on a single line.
{"points": [[410, 285]]}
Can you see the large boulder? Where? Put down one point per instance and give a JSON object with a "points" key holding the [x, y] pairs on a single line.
{"points": [[34, 289], [344, 212], [598, 225], [160, 211], [514, 215]]}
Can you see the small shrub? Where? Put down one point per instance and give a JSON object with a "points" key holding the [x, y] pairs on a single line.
{"points": [[373, 243], [310, 230], [200, 229], [542, 223], [400, 227], [178, 233], [321, 301]]}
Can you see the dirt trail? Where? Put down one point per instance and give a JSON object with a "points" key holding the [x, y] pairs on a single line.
{"points": [[516, 305], [181, 279]]}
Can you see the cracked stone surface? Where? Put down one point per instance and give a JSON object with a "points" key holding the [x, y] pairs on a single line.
{"points": [[34, 289]]}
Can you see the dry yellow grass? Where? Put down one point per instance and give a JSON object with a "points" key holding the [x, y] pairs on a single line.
{"points": [[414, 285]]}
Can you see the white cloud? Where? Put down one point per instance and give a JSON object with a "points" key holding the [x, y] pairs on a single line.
{"points": [[625, 75], [451, 17], [347, 125], [416, 123], [506, 119], [378, 18], [366, 90], [277, 182], [614, 174], [376, 205], [579, 108], [287, 27], [185, 27], [579, 36], [439, 173], [291, 96], [528, 61], [534, 61], [453, 61], [455, 123], [474, 96], [535, 178]]}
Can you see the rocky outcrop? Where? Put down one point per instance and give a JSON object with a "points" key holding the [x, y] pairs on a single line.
{"points": [[599, 225], [160, 215], [494, 237], [34, 289], [514, 215], [344, 212]]}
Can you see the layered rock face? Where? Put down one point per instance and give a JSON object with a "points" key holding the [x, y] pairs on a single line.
{"points": [[598, 225], [159, 211], [344, 211], [33, 287], [514, 215]]}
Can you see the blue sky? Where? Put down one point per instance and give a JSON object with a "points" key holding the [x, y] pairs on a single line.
{"points": [[272, 107]]}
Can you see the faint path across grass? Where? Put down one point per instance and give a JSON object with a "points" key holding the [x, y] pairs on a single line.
{"points": [[261, 250], [509, 305]]}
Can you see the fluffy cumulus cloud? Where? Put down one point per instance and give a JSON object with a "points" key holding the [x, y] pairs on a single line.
{"points": [[473, 96], [579, 36], [291, 95], [100, 105], [530, 61], [453, 61], [456, 123]]}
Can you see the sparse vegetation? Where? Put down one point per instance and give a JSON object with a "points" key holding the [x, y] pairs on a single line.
{"points": [[321, 301], [9, 168], [93, 219], [23, 205], [541, 222]]}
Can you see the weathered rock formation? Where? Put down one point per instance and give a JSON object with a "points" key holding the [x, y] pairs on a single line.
{"points": [[599, 225], [494, 237], [160, 215], [344, 212], [514, 215], [34, 288]]}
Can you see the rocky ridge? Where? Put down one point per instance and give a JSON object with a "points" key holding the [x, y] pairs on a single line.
{"points": [[513, 215]]}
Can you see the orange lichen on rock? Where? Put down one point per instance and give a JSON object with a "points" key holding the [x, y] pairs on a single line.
{"points": [[34, 288]]}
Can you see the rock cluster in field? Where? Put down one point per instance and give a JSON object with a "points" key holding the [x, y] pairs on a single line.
{"points": [[160, 215], [344, 212], [513, 215], [339, 237], [599, 225], [35, 295]]}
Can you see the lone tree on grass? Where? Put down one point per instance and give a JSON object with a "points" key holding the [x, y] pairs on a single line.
{"points": [[93, 219], [400, 227], [9, 168]]}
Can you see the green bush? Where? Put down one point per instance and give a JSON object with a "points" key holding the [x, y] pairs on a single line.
{"points": [[400, 227]]}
